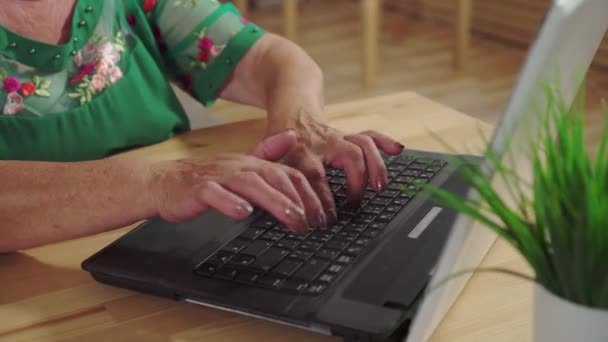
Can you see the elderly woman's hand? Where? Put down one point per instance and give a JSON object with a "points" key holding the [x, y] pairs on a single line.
{"points": [[319, 146], [233, 184]]}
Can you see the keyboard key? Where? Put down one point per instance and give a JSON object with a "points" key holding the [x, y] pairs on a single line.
{"points": [[271, 282], [310, 246], [326, 278], [364, 218], [411, 173], [403, 179], [299, 237], [300, 255], [320, 236], [220, 257], [403, 160], [311, 269], [344, 259], [272, 236], [381, 201], [226, 273], [206, 269], [251, 233], [264, 223], [396, 167], [417, 166], [269, 259], [334, 187], [393, 208], [256, 248], [353, 250], [327, 254], [241, 261], [335, 268], [369, 195], [336, 245], [392, 174], [433, 168], [337, 180], [294, 285], [246, 277], [286, 268], [425, 160], [346, 236], [395, 186], [386, 216], [373, 209], [401, 201], [330, 172], [370, 233], [335, 228], [389, 193], [426, 175], [316, 289], [361, 242], [354, 227], [287, 243], [344, 218], [235, 246], [377, 225]]}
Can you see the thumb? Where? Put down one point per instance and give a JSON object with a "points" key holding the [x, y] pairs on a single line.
{"points": [[275, 147]]}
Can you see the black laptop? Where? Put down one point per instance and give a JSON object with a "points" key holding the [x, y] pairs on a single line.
{"points": [[358, 278]]}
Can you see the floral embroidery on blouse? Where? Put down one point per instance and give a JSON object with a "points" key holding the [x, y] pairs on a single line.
{"points": [[207, 50], [97, 67], [16, 90]]}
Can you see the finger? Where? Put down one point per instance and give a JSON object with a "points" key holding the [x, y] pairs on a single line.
{"points": [[376, 169], [275, 147], [224, 201], [253, 188], [312, 168], [349, 157], [385, 143], [278, 179], [312, 204]]}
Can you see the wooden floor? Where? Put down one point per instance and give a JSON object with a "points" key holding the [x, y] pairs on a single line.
{"points": [[414, 56]]}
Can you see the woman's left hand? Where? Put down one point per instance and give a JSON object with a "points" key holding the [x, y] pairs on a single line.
{"points": [[320, 146]]}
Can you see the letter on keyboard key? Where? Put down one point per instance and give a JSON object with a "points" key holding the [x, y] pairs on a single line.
{"points": [[287, 244], [326, 278], [315, 289], [300, 255], [206, 269], [293, 285], [247, 277], [256, 248], [235, 246], [311, 270]]}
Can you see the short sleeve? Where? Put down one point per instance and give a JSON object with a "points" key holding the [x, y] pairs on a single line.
{"points": [[203, 41]]}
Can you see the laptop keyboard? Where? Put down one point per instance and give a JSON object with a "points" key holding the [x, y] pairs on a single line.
{"points": [[267, 255]]}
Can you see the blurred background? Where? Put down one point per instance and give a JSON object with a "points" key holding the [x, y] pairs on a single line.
{"points": [[418, 49]]}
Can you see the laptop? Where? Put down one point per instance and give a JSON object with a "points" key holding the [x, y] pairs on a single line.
{"points": [[363, 278]]}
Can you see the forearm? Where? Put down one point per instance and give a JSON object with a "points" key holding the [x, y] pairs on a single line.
{"points": [[46, 202], [281, 78], [295, 88]]}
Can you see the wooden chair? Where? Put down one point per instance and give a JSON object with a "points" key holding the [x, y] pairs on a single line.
{"points": [[370, 22]]}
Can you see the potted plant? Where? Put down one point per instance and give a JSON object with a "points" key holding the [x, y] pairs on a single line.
{"points": [[557, 219]]}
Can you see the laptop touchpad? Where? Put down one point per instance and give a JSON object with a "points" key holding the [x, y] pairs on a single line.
{"points": [[402, 264]]}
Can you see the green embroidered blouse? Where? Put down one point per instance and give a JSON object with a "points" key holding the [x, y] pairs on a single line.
{"points": [[107, 89]]}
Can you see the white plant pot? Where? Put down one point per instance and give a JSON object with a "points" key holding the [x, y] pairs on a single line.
{"points": [[557, 320]]}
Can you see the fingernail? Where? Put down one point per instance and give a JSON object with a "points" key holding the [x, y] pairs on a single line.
{"points": [[380, 184], [297, 214], [245, 208], [400, 146], [320, 220]]}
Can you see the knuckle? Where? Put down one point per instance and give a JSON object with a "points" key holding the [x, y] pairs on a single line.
{"points": [[249, 176]]}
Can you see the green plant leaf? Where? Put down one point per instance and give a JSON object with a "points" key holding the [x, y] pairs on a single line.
{"points": [[42, 92]]}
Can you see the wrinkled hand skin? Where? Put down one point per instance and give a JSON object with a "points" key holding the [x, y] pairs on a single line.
{"points": [[319, 146]]}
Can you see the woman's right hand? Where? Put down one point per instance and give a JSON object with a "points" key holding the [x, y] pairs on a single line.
{"points": [[233, 184]]}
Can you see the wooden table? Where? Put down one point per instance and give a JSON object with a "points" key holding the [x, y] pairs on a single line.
{"points": [[44, 295]]}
